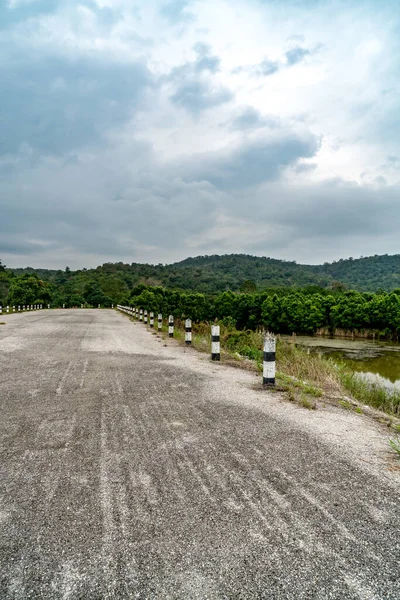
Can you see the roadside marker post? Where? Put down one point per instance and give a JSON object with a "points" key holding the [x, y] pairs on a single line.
{"points": [[151, 319], [269, 360], [19, 308], [8, 309], [141, 315], [13, 308], [188, 332], [215, 343], [159, 320], [145, 317], [170, 326]]}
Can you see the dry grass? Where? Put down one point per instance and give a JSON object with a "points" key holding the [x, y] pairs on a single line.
{"points": [[302, 376]]}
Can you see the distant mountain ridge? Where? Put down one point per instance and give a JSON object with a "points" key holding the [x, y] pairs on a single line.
{"points": [[216, 273]]}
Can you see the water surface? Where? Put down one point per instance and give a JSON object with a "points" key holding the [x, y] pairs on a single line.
{"points": [[376, 361]]}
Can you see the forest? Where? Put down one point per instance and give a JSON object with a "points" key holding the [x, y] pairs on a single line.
{"points": [[301, 307]]}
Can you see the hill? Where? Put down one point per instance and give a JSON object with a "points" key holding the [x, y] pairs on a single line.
{"points": [[215, 274]]}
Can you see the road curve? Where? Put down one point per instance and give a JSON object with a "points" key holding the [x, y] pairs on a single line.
{"points": [[131, 469]]}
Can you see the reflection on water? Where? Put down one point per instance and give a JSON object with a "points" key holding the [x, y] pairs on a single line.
{"points": [[377, 361]]}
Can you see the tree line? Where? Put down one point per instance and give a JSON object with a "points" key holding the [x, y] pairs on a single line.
{"points": [[281, 310]]}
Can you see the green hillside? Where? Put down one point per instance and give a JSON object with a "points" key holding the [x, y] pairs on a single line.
{"points": [[213, 275]]}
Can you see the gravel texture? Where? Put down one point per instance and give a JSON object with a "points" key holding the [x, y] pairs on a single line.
{"points": [[134, 469]]}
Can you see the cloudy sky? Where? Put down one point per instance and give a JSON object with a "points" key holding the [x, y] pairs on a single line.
{"points": [[152, 131]]}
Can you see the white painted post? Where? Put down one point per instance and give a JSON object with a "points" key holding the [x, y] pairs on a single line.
{"points": [[269, 360], [63, 305], [19, 308], [112, 305], [98, 306], [1, 310], [23, 307], [145, 317], [41, 307], [13, 308], [188, 332], [48, 306], [141, 315], [8, 309], [137, 313], [215, 343], [159, 318], [170, 326], [151, 319]]}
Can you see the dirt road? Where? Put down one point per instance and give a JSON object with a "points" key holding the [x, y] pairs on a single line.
{"points": [[133, 470]]}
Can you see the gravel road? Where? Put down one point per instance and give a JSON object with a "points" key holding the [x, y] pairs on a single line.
{"points": [[131, 469]]}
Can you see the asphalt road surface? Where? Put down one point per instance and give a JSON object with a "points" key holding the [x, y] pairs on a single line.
{"points": [[129, 469]]}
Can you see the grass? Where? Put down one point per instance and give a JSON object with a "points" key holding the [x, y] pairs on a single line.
{"points": [[303, 377], [395, 445]]}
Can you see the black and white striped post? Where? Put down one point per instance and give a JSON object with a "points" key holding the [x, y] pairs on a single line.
{"points": [[48, 306], [19, 308], [269, 360], [141, 315], [145, 317], [151, 319], [1, 310], [23, 308], [137, 313], [215, 343], [13, 308], [171, 326], [159, 321], [188, 332], [112, 305], [7, 309]]}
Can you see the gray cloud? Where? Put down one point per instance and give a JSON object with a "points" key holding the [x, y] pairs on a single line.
{"points": [[296, 55], [78, 185], [194, 86], [196, 96], [57, 105], [175, 11], [268, 67], [251, 163], [249, 118]]}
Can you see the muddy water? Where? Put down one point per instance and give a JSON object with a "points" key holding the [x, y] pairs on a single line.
{"points": [[376, 361]]}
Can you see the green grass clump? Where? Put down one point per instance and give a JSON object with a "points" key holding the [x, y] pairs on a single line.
{"points": [[395, 445], [372, 394], [301, 375]]}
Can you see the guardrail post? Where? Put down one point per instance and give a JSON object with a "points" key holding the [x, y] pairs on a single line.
{"points": [[159, 320], [145, 317], [215, 343], [7, 309], [170, 326], [19, 308], [269, 360], [188, 332], [13, 308], [141, 315], [151, 319]]}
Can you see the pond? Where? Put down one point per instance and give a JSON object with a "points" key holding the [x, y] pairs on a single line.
{"points": [[378, 362]]}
